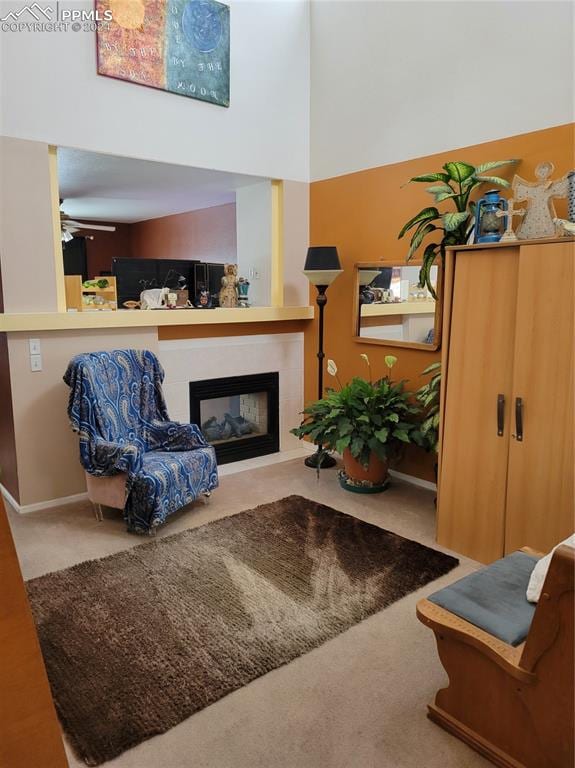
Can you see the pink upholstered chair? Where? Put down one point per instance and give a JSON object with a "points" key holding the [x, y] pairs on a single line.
{"points": [[107, 492]]}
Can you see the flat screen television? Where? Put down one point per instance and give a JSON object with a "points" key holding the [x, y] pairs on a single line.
{"points": [[135, 275]]}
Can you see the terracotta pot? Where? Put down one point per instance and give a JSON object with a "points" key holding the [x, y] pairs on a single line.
{"points": [[376, 471]]}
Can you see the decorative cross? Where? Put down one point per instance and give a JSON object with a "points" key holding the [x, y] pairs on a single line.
{"points": [[511, 211]]}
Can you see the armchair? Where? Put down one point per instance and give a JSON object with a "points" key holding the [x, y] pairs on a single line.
{"points": [[135, 458]]}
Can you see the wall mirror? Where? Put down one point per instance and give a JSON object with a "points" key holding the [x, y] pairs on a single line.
{"points": [[391, 309]]}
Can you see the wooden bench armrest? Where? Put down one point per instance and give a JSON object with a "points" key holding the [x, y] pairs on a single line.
{"points": [[443, 622], [555, 602], [532, 552]]}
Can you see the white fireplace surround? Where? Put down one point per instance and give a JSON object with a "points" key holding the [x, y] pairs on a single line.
{"points": [[186, 360]]}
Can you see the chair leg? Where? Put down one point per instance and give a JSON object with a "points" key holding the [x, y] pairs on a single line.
{"points": [[206, 495], [98, 511]]}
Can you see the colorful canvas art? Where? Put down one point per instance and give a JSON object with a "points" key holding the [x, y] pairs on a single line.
{"points": [[181, 46]]}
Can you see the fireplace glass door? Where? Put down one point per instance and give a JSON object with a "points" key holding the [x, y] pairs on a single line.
{"points": [[238, 415]]}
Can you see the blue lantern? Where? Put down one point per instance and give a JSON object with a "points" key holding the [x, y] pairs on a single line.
{"points": [[489, 223]]}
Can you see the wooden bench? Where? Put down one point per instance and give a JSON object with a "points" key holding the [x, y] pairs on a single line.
{"points": [[514, 705]]}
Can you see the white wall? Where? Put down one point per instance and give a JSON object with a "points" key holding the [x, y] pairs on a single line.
{"points": [[254, 240], [27, 257], [397, 80], [296, 241], [390, 81], [46, 448], [50, 92], [186, 360]]}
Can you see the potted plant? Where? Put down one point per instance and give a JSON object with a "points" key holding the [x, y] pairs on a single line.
{"points": [[427, 434], [455, 182], [366, 421]]}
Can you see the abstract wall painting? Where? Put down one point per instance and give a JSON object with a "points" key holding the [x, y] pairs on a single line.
{"points": [[180, 46]]}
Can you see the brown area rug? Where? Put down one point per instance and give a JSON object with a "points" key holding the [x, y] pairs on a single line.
{"points": [[136, 642]]}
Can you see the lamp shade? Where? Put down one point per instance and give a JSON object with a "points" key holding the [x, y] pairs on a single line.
{"points": [[322, 265], [367, 276]]}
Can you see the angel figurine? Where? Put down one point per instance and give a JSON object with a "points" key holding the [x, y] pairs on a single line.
{"points": [[540, 213]]}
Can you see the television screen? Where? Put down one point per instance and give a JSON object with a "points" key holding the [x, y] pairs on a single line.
{"points": [[136, 275]]}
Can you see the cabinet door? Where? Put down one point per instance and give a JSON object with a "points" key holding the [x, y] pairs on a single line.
{"points": [[473, 470], [540, 493]]}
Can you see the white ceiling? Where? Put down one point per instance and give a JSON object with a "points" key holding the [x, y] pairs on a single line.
{"points": [[97, 187]]}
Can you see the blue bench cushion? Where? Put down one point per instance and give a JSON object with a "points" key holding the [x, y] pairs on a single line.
{"points": [[494, 598]]}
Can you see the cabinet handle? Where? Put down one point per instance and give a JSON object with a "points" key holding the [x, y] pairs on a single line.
{"points": [[518, 420], [500, 414]]}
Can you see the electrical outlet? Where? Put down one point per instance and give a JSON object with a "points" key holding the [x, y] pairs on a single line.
{"points": [[35, 362], [35, 346]]}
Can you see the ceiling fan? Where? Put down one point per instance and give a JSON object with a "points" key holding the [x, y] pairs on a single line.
{"points": [[69, 226]]}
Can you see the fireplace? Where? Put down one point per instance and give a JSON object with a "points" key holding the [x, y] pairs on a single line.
{"points": [[239, 415]]}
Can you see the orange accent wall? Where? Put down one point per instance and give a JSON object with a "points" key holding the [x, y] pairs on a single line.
{"points": [[361, 213], [107, 246], [208, 234]]}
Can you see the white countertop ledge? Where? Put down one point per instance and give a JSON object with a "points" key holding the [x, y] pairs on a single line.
{"points": [[135, 318]]}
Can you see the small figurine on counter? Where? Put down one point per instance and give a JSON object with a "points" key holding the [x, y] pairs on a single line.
{"points": [[229, 291], [243, 288], [203, 299], [387, 296], [183, 295], [154, 298], [417, 293]]}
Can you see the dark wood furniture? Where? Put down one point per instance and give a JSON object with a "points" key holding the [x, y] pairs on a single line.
{"points": [[514, 705]]}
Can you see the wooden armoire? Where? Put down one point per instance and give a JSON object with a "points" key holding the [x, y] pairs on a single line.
{"points": [[506, 461]]}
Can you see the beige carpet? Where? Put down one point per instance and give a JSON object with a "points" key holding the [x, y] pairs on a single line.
{"points": [[358, 701]]}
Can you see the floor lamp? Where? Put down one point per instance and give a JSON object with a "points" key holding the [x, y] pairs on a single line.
{"points": [[321, 268]]}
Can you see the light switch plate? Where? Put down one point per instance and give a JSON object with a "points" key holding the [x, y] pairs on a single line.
{"points": [[35, 362], [35, 346]]}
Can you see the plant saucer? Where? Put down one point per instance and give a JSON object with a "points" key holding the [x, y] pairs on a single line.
{"points": [[361, 486]]}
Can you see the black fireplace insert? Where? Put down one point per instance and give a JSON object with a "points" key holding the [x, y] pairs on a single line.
{"points": [[239, 415]]}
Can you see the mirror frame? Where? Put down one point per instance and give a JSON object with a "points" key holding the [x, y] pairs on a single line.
{"points": [[392, 342]]}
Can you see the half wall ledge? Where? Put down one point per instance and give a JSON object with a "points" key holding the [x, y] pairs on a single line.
{"points": [[126, 318]]}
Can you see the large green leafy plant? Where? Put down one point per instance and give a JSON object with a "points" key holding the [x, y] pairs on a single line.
{"points": [[454, 183], [363, 416], [427, 434]]}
